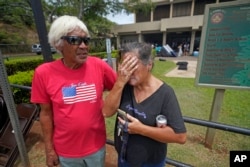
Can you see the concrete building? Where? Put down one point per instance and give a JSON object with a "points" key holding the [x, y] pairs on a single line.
{"points": [[172, 22]]}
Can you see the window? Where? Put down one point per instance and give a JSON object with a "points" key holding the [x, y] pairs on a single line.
{"points": [[162, 11], [199, 7], [142, 16], [182, 9]]}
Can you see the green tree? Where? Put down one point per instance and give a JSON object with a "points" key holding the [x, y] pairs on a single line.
{"points": [[19, 13], [93, 12], [16, 12]]}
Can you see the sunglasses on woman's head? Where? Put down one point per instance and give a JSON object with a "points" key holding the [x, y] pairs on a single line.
{"points": [[76, 40]]}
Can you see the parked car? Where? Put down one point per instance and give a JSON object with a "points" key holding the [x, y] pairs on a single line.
{"points": [[36, 48]]}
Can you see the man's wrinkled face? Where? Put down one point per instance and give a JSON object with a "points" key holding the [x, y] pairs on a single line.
{"points": [[75, 48]]}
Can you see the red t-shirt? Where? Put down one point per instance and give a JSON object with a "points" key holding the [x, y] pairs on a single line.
{"points": [[76, 97]]}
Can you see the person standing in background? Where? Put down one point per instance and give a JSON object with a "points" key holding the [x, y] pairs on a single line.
{"points": [[69, 91], [180, 52], [186, 48]]}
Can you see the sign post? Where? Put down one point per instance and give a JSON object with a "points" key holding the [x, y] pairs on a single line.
{"points": [[41, 29], [108, 48]]}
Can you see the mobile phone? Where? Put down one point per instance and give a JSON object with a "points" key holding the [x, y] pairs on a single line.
{"points": [[123, 114]]}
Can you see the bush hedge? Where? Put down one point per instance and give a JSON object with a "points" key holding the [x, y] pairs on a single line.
{"points": [[21, 78], [15, 66]]}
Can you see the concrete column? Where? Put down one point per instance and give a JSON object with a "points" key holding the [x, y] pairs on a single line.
{"points": [[118, 42], [171, 9], [192, 7], [151, 16], [164, 38], [191, 49], [139, 37]]}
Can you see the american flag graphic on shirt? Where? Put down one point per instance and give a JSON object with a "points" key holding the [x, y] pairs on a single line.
{"points": [[79, 93]]}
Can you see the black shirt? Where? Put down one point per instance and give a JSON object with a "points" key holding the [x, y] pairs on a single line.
{"points": [[141, 149]]}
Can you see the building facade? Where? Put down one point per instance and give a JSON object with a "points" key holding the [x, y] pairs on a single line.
{"points": [[172, 22]]}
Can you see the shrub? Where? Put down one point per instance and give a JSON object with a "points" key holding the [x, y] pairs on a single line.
{"points": [[21, 78], [12, 67]]}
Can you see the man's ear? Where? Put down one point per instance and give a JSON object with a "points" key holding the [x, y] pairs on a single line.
{"points": [[59, 47]]}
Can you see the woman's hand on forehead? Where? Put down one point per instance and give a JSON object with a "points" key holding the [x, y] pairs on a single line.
{"points": [[130, 61], [129, 55], [128, 66]]}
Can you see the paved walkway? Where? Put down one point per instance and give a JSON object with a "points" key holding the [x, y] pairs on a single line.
{"points": [[191, 67]]}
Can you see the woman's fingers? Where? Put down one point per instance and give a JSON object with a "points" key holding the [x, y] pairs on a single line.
{"points": [[128, 66]]}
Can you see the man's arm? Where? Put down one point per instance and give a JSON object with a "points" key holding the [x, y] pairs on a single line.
{"points": [[46, 121]]}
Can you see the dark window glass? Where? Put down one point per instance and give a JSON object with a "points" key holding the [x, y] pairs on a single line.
{"points": [[142, 16], [199, 6], [162, 11], [182, 9]]}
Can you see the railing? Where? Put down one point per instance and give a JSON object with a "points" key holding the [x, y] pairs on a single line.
{"points": [[8, 49], [219, 126], [199, 122]]}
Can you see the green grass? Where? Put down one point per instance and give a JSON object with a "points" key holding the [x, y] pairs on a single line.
{"points": [[196, 102]]}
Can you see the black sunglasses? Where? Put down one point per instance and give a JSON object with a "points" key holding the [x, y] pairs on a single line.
{"points": [[75, 40]]}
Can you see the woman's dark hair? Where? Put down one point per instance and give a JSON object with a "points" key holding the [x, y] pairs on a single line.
{"points": [[144, 51]]}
